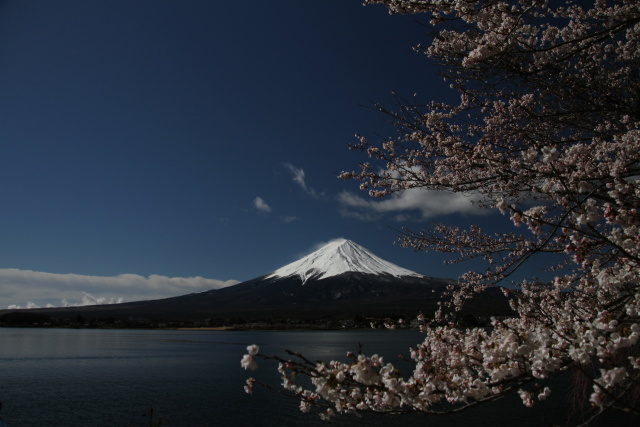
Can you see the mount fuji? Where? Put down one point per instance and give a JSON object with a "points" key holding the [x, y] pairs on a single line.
{"points": [[341, 271], [339, 257], [340, 279]]}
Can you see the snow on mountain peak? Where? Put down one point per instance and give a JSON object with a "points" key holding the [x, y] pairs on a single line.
{"points": [[337, 257]]}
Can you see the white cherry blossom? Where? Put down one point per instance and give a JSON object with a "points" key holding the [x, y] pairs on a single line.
{"points": [[547, 133]]}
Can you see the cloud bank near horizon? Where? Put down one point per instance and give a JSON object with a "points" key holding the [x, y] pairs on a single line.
{"points": [[33, 289]]}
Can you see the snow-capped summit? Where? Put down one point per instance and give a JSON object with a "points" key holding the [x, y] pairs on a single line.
{"points": [[338, 257]]}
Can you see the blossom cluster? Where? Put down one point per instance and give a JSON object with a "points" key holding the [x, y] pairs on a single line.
{"points": [[546, 132]]}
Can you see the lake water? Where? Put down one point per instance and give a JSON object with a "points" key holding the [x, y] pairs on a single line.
{"points": [[85, 377]]}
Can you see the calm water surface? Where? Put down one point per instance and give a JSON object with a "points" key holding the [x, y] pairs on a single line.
{"points": [[84, 377]]}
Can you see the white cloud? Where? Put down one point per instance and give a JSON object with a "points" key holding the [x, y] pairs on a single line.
{"points": [[261, 205], [288, 219], [299, 178], [429, 203], [89, 299], [31, 289]]}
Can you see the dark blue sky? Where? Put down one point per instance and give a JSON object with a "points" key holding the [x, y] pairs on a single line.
{"points": [[198, 138]]}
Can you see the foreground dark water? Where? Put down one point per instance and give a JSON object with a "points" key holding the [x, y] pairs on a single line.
{"points": [[59, 377]]}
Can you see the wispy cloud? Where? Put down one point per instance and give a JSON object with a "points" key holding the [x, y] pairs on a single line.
{"points": [[261, 205], [299, 178], [427, 203], [31, 289]]}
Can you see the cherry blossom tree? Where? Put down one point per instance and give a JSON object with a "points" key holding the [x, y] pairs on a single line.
{"points": [[547, 132]]}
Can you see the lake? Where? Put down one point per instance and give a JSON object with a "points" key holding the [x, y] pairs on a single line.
{"points": [[89, 377]]}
